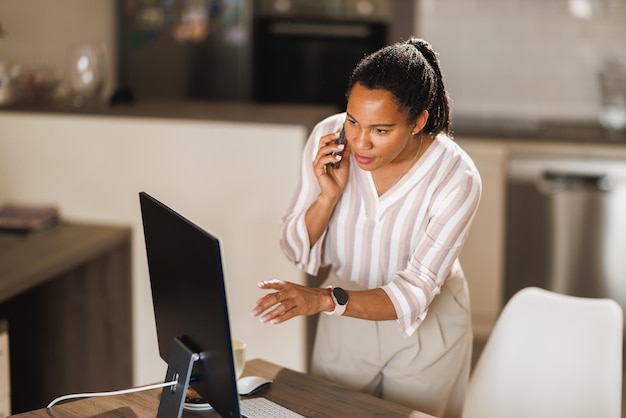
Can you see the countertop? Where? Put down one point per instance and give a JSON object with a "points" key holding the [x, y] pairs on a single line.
{"points": [[229, 111], [578, 132], [575, 131], [29, 260]]}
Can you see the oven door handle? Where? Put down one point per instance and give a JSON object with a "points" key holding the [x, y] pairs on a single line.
{"points": [[319, 29], [557, 181]]}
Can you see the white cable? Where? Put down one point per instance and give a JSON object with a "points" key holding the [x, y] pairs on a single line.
{"points": [[115, 392]]}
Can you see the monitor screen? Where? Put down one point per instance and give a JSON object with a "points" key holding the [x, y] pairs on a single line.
{"points": [[189, 299]]}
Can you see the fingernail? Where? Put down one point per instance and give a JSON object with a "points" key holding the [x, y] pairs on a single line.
{"points": [[337, 157], [341, 146]]}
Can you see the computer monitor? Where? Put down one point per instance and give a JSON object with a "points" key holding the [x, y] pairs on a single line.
{"points": [[190, 309]]}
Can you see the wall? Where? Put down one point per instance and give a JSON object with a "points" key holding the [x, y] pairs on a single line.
{"points": [[524, 59], [229, 178]]}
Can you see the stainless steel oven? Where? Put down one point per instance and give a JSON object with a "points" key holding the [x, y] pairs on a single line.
{"points": [[305, 50]]}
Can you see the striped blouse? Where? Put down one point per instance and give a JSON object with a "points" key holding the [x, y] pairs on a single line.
{"points": [[406, 241]]}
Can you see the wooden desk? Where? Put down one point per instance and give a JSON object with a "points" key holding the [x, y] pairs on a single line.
{"points": [[66, 293], [305, 394]]}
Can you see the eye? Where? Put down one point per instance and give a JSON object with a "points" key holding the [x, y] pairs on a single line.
{"points": [[381, 131], [351, 121]]}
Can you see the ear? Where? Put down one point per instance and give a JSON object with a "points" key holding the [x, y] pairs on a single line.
{"points": [[420, 122]]}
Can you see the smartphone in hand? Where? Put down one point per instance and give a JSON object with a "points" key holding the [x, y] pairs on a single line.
{"points": [[341, 140]]}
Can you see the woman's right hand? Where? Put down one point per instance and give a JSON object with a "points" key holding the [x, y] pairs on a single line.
{"points": [[332, 181]]}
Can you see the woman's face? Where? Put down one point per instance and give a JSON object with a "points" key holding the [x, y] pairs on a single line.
{"points": [[377, 131]]}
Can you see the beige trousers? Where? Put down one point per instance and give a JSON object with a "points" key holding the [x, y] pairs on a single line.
{"points": [[427, 371]]}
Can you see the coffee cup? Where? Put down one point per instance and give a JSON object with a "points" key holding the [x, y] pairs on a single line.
{"points": [[239, 356]]}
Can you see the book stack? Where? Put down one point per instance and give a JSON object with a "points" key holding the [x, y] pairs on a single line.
{"points": [[27, 218]]}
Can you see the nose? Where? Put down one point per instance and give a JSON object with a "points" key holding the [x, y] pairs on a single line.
{"points": [[361, 139]]}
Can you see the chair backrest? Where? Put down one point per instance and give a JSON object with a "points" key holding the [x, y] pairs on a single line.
{"points": [[550, 355]]}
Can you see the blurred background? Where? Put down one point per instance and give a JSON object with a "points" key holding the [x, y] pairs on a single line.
{"points": [[217, 88], [513, 59]]}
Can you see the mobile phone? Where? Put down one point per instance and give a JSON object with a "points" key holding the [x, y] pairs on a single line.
{"points": [[341, 140]]}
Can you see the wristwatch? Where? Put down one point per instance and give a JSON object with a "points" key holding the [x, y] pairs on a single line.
{"points": [[341, 299]]}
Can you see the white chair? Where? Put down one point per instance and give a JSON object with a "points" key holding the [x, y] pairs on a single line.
{"points": [[550, 356]]}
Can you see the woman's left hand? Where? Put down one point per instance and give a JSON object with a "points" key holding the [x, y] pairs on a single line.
{"points": [[290, 300]]}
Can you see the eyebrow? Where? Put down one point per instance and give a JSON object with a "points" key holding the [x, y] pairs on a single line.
{"points": [[386, 125]]}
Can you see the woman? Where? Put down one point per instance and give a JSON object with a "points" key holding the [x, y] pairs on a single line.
{"points": [[390, 220]]}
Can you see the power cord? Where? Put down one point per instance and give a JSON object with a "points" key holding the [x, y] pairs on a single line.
{"points": [[115, 392]]}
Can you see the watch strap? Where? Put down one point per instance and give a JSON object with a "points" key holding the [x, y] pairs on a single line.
{"points": [[339, 309]]}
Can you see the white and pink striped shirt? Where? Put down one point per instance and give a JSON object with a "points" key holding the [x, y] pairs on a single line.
{"points": [[406, 241]]}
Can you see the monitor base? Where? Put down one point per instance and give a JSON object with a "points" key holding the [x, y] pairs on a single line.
{"points": [[179, 369]]}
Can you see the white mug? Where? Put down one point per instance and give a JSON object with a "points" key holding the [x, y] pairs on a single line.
{"points": [[239, 356]]}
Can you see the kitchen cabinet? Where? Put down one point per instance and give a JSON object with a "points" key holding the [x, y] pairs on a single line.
{"points": [[482, 257], [65, 293], [483, 254]]}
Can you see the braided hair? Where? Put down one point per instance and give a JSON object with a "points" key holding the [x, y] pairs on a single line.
{"points": [[410, 71]]}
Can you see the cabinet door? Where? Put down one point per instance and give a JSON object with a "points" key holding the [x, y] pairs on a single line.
{"points": [[482, 255]]}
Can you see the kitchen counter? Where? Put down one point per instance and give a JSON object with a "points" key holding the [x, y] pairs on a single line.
{"points": [[234, 178], [293, 114], [577, 132]]}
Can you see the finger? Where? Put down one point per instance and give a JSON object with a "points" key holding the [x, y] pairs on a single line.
{"points": [[271, 315], [283, 318], [271, 284], [335, 157], [265, 303], [320, 170], [279, 314], [330, 147], [329, 138], [332, 156]]}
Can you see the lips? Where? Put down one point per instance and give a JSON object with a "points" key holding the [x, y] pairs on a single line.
{"points": [[363, 160]]}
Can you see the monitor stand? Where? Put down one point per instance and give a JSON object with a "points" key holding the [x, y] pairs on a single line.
{"points": [[179, 369]]}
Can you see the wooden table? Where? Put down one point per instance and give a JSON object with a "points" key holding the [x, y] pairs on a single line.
{"points": [[302, 393], [66, 293]]}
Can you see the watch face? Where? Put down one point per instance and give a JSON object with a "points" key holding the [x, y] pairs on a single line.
{"points": [[340, 295]]}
